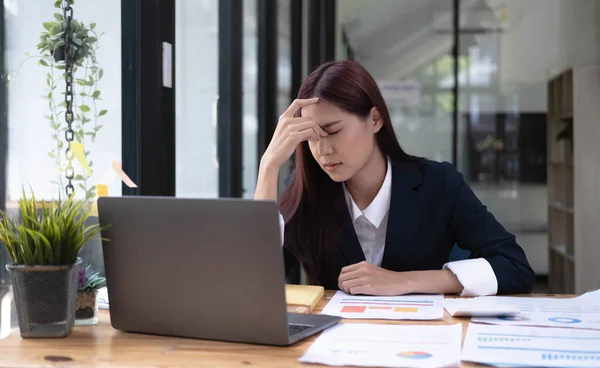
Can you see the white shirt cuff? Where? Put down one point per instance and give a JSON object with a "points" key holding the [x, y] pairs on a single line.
{"points": [[476, 276], [281, 226]]}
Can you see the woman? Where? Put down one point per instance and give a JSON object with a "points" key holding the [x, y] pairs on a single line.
{"points": [[363, 216]]}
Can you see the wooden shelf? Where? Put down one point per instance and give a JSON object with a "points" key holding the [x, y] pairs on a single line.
{"points": [[573, 190]]}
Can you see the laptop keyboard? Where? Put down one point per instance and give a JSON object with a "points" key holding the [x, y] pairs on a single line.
{"points": [[294, 329]]}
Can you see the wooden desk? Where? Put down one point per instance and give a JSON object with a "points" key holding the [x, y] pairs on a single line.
{"points": [[101, 345]]}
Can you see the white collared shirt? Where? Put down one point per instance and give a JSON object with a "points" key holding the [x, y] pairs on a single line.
{"points": [[476, 275]]}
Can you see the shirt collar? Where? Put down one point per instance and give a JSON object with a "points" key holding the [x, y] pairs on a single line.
{"points": [[380, 205]]}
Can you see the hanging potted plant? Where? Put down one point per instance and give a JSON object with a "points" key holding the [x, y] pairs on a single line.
{"points": [[43, 245], [67, 48], [87, 296]]}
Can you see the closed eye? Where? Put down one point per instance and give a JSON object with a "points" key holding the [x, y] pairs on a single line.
{"points": [[332, 133]]}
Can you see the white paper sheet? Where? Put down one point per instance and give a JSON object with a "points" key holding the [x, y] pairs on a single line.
{"points": [[590, 296], [548, 312], [408, 307], [102, 298], [370, 345], [467, 307], [531, 346]]}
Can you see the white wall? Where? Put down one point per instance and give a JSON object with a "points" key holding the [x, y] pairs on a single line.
{"points": [[543, 38]]}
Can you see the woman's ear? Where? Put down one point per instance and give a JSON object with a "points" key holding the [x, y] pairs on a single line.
{"points": [[376, 119]]}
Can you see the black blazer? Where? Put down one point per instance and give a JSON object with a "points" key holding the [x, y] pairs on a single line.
{"points": [[432, 208]]}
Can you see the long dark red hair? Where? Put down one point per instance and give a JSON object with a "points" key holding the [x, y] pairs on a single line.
{"points": [[313, 205]]}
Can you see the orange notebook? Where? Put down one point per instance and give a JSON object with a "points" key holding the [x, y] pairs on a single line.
{"points": [[307, 296]]}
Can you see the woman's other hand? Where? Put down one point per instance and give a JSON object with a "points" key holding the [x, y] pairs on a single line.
{"points": [[365, 278]]}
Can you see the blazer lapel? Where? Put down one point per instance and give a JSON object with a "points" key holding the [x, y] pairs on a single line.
{"points": [[403, 217]]}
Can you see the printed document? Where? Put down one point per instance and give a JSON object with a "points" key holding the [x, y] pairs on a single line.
{"points": [[405, 307], [531, 346], [548, 312], [374, 345]]}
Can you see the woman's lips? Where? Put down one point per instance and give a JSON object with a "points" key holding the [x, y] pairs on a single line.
{"points": [[331, 167]]}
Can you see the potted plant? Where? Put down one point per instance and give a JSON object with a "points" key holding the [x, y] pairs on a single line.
{"points": [[87, 292], [43, 245]]}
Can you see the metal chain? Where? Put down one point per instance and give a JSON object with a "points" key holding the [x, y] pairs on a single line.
{"points": [[69, 134]]}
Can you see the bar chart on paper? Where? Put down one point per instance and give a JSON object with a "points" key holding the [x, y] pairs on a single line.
{"points": [[531, 346], [406, 307]]}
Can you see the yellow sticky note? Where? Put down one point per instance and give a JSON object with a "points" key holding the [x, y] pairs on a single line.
{"points": [[102, 190], [303, 295], [78, 151]]}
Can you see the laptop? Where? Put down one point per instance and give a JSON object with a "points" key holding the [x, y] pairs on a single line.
{"points": [[199, 268]]}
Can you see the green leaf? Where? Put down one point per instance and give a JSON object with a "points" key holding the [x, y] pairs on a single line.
{"points": [[57, 4], [58, 17], [78, 177], [51, 155], [83, 94], [92, 25], [43, 62], [96, 94], [84, 108], [100, 73], [102, 113]]}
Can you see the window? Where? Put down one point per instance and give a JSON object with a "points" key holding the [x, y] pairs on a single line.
{"points": [[196, 63], [250, 122], [36, 156], [36, 119]]}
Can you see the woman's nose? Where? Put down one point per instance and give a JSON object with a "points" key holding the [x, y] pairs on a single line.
{"points": [[325, 147]]}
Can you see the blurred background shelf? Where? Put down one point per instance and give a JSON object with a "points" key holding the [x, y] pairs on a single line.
{"points": [[574, 190]]}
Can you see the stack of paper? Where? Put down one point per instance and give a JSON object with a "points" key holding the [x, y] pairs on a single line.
{"points": [[409, 307], [102, 298], [484, 307], [531, 346], [370, 345]]}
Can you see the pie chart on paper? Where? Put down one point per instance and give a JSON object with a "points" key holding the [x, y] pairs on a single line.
{"points": [[414, 355]]}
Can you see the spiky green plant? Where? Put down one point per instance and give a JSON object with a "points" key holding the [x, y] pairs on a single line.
{"points": [[51, 235]]}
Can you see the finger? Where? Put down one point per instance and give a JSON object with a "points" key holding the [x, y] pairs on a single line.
{"points": [[286, 121], [352, 267], [319, 132], [350, 275], [299, 103], [349, 284], [303, 135]]}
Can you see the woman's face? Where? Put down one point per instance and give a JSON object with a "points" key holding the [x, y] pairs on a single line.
{"points": [[350, 140]]}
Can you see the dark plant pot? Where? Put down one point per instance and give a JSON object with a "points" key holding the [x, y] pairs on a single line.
{"points": [[87, 308], [45, 298], [59, 54]]}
